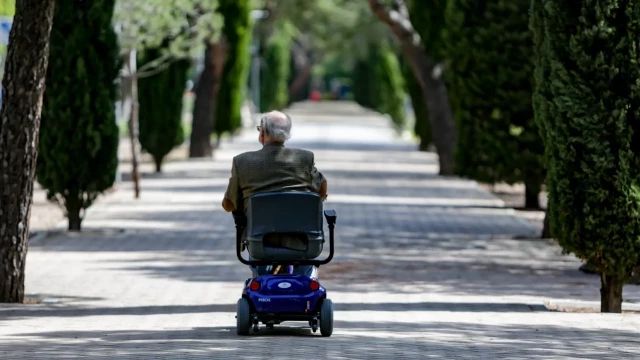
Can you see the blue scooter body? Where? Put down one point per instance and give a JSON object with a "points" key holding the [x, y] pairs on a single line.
{"points": [[284, 294]]}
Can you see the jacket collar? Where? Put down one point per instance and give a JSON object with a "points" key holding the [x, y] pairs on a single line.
{"points": [[273, 144]]}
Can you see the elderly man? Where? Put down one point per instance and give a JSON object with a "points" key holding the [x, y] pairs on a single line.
{"points": [[274, 168]]}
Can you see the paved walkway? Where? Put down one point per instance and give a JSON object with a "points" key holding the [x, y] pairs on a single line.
{"points": [[426, 267]]}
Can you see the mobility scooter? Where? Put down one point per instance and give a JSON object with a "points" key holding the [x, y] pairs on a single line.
{"points": [[276, 297]]}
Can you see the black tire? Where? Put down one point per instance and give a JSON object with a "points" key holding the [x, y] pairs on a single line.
{"points": [[326, 318], [243, 317]]}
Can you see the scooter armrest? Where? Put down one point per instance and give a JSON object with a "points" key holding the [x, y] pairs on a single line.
{"points": [[331, 216]]}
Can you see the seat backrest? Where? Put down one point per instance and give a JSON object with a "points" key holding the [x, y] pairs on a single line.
{"points": [[284, 212]]}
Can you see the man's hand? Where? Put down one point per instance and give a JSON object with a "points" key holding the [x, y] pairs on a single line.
{"points": [[323, 190], [227, 205]]}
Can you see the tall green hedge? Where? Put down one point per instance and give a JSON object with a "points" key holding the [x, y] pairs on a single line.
{"points": [[490, 81], [160, 114], [274, 75], [78, 150], [391, 82], [366, 85], [237, 32], [587, 103], [378, 82], [428, 19]]}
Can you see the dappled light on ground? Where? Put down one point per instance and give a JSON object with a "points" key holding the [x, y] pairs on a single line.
{"points": [[425, 266]]}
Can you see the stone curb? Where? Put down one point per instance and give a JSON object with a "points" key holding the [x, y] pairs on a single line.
{"points": [[577, 306]]}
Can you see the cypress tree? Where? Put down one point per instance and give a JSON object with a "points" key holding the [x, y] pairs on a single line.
{"points": [[78, 150], [274, 76], [237, 32], [160, 116], [490, 83], [587, 103]]}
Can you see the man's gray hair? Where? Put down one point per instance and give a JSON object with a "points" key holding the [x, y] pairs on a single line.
{"points": [[276, 127]]}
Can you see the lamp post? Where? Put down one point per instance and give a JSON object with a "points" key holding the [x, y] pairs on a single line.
{"points": [[255, 62]]}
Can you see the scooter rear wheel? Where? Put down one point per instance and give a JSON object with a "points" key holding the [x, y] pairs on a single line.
{"points": [[243, 317], [326, 318]]}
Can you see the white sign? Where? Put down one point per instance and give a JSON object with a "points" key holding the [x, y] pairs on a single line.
{"points": [[284, 285]]}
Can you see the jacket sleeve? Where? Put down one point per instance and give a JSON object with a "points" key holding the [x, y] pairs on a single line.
{"points": [[234, 192], [316, 176]]}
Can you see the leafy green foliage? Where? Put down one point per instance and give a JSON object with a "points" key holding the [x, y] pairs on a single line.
{"points": [[161, 98], [274, 75], [78, 134], [331, 29], [7, 7], [325, 26], [143, 24], [490, 86], [587, 102], [237, 31]]}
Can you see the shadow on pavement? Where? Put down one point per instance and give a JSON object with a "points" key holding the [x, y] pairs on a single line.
{"points": [[351, 340], [81, 311]]}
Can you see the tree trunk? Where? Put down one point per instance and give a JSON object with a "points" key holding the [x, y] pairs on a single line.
{"points": [[73, 214], [429, 76], [23, 86], [206, 92], [610, 294], [133, 137], [220, 55], [424, 144], [299, 82], [130, 60], [158, 163], [202, 125], [546, 230], [428, 73], [125, 89], [301, 70], [531, 196]]}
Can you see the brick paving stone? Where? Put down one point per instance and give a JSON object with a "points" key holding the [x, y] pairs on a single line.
{"points": [[426, 267]]}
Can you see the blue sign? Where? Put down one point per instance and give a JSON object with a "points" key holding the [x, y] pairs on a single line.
{"points": [[5, 29]]}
